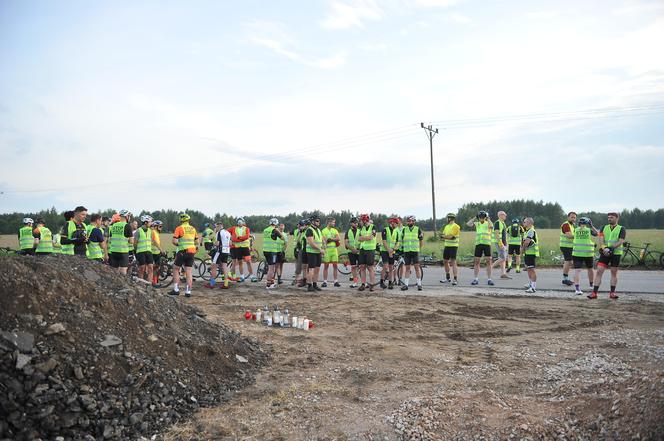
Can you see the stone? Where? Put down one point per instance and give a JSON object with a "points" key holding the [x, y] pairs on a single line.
{"points": [[23, 341], [78, 372], [91, 275], [46, 366], [111, 340], [22, 360], [55, 328], [241, 359], [152, 337]]}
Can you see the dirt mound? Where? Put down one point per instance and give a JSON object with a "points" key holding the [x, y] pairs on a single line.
{"points": [[86, 354]]}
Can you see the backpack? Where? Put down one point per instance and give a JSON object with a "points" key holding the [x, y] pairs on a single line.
{"points": [[515, 230]]}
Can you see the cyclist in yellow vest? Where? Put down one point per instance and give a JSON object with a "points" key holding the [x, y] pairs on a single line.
{"points": [[500, 243], [315, 250], [412, 238], [451, 233], [43, 239], [271, 249], [367, 247], [530, 251], [26, 240], [352, 245], [390, 239], [611, 239], [186, 240], [566, 244], [120, 235], [76, 231], [157, 250], [241, 249], [514, 239], [97, 249], [207, 236], [143, 241], [583, 251], [331, 241], [281, 256], [66, 246], [483, 232]]}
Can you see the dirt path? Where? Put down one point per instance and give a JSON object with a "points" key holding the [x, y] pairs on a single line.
{"points": [[454, 367]]}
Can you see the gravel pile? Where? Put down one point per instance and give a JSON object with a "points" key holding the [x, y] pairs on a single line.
{"points": [[86, 354]]}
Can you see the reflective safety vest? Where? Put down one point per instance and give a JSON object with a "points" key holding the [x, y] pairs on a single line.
{"points": [[391, 237], [411, 242], [399, 238], [318, 240], [498, 234], [281, 243], [25, 239], [352, 238], [482, 234], [611, 237], [511, 238], [67, 250], [157, 238], [119, 243], [329, 233], [144, 244], [583, 245], [188, 239], [368, 244], [241, 231], [94, 248], [208, 234], [447, 231], [566, 242], [533, 248], [45, 240], [269, 245]]}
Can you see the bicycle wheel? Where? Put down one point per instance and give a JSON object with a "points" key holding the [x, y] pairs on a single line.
{"points": [[203, 271], [628, 259], [661, 260], [255, 257], [196, 269], [650, 261], [344, 264], [261, 270]]}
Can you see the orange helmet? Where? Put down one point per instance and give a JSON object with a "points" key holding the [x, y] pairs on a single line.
{"points": [[115, 218], [364, 217]]}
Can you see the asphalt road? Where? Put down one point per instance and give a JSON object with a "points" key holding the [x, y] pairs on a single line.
{"points": [[647, 282]]}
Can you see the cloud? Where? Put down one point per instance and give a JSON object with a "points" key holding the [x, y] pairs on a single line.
{"points": [[349, 14], [639, 7], [460, 18], [437, 3]]}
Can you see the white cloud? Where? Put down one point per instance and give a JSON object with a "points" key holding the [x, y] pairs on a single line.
{"points": [[344, 15], [541, 15], [639, 7], [436, 3], [460, 18]]}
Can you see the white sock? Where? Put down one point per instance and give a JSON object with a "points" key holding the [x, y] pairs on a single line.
{"points": [[336, 280], [406, 281], [419, 281], [533, 284], [187, 289], [176, 288]]}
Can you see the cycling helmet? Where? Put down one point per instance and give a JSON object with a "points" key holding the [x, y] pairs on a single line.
{"points": [[146, 218], [410, 218], [353, 219], [274, 221], [27, 220], [482, 214], [452, 215], [584, 221], [157, 223], [115, 218], [240, 221], [124, 213], [364, 217], [302, 222], [315, 217], [205, 225], [516, 220], [184, 217], [307, 222]]}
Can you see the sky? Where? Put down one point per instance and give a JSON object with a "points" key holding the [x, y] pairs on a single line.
{"points": [[259, 107]]}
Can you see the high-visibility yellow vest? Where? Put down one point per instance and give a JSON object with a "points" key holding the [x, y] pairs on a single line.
{"points": [[511, 238], [188, 239], [498, 235], [241, 231], [566, 242], [119, 243], [25, 239], [368, 244], [533, 248], [71, 229], [447, 231], [281, 243], [269, 245], [208, 234], [157, 239], [410, 239], [352, 238], [329, 233], [391, 237], [144, 240], [482, 234], [611, 237], [94, 250], [45, 240], [318, 240], [583, 245]]}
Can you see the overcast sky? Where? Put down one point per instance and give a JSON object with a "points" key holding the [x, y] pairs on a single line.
{"points": [[272, 107]]}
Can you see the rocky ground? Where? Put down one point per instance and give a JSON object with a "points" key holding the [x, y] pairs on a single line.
{"points": [[85, 354], [449, 365]]}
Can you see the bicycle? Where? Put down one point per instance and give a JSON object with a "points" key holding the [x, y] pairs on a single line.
{"points": [[261, 271], [165, 272], [641, 256], [6, 251], [556, 258]]}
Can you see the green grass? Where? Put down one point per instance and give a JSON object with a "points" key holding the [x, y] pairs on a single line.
{"points": [[548, 243]]}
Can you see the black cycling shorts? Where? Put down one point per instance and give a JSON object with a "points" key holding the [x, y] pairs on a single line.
{"points": [[580, 262], [612, 260], [385, 257], [281, 257], [411, 257], [314, 260], [118, 260], [156, 259], [513, 249], [208, 246], [529, 260], [354, 259], [240, 253], [567, 253], [482, 250], [27, 252], [367, 257], [220, 258], [450, 253], [270, 257], [144, 258], [183, 258]]}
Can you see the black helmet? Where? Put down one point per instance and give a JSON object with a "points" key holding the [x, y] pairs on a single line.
{"points": [[482, 214], [584, 221], [353, 220], [451, 215], [516, 220]]}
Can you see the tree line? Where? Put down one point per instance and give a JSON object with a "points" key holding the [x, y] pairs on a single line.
{"points": [[545, 215]]}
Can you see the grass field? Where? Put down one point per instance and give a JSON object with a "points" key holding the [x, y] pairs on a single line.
{"points": [[548, 243]]}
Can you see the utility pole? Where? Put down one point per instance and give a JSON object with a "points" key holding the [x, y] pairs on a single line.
{"points": [[431, 132]]}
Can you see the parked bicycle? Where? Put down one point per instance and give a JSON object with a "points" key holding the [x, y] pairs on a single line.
{"points": [[641, 256]]}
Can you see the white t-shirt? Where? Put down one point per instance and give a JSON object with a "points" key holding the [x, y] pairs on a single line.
{"points": [[224, 238]]}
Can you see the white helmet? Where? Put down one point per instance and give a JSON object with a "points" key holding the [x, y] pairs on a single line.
{"points": [[274, 221], [124, 213], [146, 218], [240, 221], [27, 220]]}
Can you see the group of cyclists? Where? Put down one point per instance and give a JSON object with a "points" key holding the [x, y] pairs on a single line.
{"points": [[113, 239]]}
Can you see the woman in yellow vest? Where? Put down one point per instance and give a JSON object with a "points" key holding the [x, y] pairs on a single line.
{"points": [[451, 234], [26, 240], [483, 232], [583, 251], [44, 239], [611, 239]]}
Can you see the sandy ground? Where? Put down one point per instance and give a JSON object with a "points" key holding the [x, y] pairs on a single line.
{"points": [[457, 364]]}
